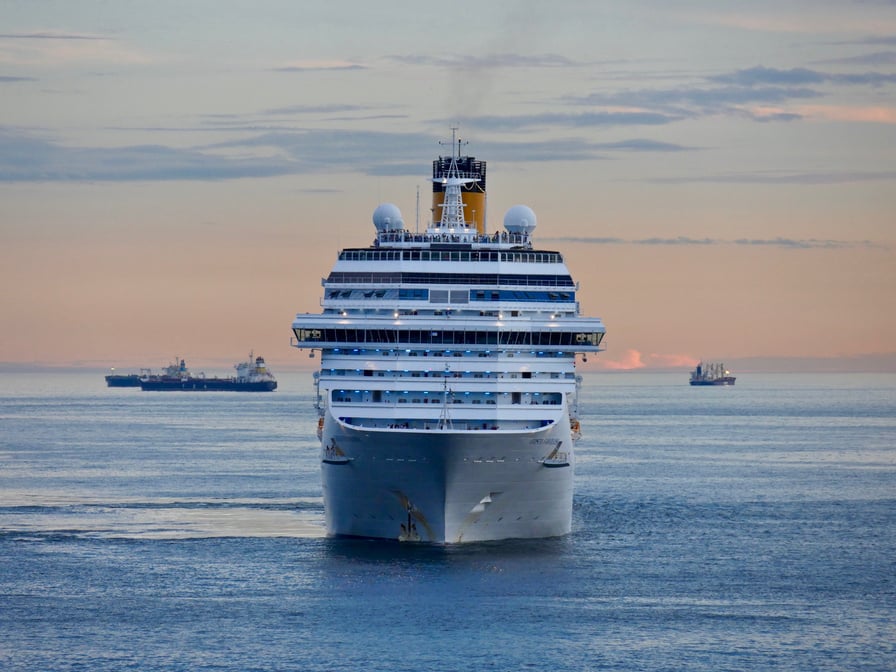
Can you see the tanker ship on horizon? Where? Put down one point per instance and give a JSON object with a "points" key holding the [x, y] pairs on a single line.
{"points": [[252, 375], [447, 386]]}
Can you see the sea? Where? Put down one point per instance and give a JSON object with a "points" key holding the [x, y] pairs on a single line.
{"points": [[742, 528]]}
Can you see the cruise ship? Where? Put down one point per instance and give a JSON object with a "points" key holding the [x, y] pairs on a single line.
{"points": [[447, 389]]}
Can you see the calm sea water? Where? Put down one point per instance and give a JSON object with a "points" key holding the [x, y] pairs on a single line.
{"points": [[745, 528]]}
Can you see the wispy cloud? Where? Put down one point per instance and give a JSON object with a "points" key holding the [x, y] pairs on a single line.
{"points": [[53, 48], [781, 242], [315, 109], [665, 106], [25, 156], [813, 18], [487, 61], [632, 360], [569, 120], [758, 93], [785, 177], [877, 58], [804, 244], [49, 35], [317, 66], [759, 75], [641, 145]]}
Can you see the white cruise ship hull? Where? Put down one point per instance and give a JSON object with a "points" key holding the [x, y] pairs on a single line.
{"points": [[444, 486]]}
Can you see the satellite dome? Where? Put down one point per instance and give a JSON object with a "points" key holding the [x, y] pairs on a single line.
{"points": [[520, 219], [387, 217]]}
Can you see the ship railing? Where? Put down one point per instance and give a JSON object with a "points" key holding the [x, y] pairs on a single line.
{"points": [[498, 238], [433, 425], [399, 398]]}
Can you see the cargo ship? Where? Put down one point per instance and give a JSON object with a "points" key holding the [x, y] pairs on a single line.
{"points": [[711, 374], [447, 388], [251, 376]]}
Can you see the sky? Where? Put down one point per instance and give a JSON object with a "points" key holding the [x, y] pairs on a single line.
{"points": [[177, 177]]}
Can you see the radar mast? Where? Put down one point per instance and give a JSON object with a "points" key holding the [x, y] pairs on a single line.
{"points": [[453, 181]]}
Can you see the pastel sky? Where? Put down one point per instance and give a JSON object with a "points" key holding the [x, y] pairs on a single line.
{"points": [[177, 177]]}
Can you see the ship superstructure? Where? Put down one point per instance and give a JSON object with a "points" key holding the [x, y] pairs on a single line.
{"points": [[447, 383]]}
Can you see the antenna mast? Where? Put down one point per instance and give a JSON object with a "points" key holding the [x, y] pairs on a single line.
{"points": [[453, 204]]}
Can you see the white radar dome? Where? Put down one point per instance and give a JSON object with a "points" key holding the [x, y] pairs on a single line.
{"points": [[520, 219], [387, 217]]}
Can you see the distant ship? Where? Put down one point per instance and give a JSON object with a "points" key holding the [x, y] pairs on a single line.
{"points": [[251, 376], [123, 379], [447, 386], [711, 374]]}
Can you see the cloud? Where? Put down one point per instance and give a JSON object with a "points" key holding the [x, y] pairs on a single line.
{"points": [[641, 145], [680, 240], [9, 79], [752, 77], [685, 241], [764, 114], [580, 120], [880, 115], [875, 58], [785, 177], [631, 359], [342, 149], [815, 17], [26, 158], [59, 48], [664, 106], [49, 35], [671, 361], [755, 93], [315, 109], [317, 66], [261, 150], [761, 75], [488, 61], [803, 244], [878, 39], [759, 93]]}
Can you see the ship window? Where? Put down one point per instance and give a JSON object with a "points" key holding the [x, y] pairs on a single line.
{"points": [[308, 334], [392, 277], [413, 294], [593, 338], [449, 337]]}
